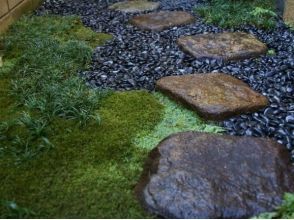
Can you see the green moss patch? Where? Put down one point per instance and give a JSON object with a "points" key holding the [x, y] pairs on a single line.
{"points": [[175, 119], [92, 171], [67, 151], [234, 13]]}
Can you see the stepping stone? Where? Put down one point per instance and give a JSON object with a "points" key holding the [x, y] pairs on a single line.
{"points": [[135, 6], [222, 46], [289, 12], [204, 175], [214, 96], [159, 21]]}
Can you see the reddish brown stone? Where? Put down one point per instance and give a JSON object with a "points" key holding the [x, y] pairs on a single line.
{"points": [[214, 96], [162, 20], [222, 46], [204, 175]]}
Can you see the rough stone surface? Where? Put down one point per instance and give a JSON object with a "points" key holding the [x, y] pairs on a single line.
{"points": [[159, 21], [135, 6], [223, 46], [289, 12], [214, 96], [204, 175]]}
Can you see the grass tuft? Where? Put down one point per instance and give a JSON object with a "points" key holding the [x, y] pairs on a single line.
{"points": [[42, 58], [235, 13]]}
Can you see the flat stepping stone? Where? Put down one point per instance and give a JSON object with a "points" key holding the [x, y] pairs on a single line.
{"points": [[135, 6], [159, 21], [289, 12], [214, 96], [222, 46], [203, 175]]}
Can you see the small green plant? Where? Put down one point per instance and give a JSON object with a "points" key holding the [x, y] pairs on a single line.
{"points": [[271, 52], [285, 211], [233, 13], [36, 126]]}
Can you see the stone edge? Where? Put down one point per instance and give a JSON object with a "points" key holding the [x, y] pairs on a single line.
{"points": [[15, 13], [207, 116]]}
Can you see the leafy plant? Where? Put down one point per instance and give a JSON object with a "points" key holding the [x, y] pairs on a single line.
{"points": [[285, 211], [233, 13], [271, 52], [36, 126], [43, 56]]}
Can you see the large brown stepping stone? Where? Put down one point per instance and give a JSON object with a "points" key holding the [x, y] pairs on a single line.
{"points": [[204, 175], [222, 46], [135, 6], [214, 96], [289, 12], [159, 21]]}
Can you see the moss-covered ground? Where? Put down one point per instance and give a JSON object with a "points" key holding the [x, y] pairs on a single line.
{"points": [[68, 151]]}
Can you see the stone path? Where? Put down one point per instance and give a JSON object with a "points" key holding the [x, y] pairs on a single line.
{"points": [[213, 96], [223, 46], [135, 6], [204, 175], [159, 21]]}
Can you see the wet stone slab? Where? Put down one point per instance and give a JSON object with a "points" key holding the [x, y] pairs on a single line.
{"points": [[135, 6], [204, 175], [159, 21], [222, 46], [214, 96]]}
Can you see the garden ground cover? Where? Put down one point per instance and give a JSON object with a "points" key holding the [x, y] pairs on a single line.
{"points": [[68, 151]]}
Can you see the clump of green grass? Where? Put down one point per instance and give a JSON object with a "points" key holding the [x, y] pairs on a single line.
{"points": [[234, 13], [285, 211], [175, 119], [48, 82], [42, 58]]}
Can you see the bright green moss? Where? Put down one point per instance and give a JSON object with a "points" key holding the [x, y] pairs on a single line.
{"points": [[92, 171], [175, 119]]}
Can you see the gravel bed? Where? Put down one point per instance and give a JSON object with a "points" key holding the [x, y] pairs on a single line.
{"points": [[136, 59]]}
